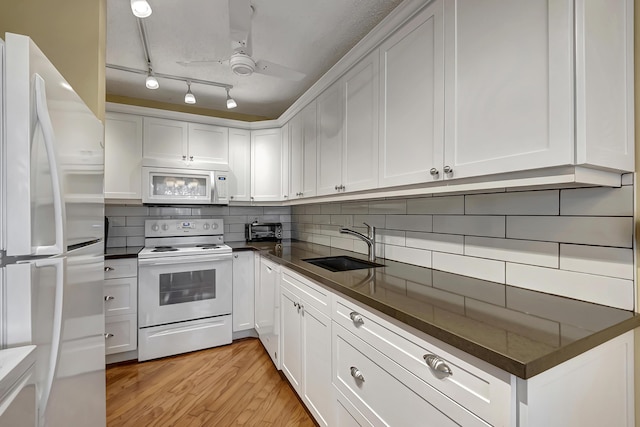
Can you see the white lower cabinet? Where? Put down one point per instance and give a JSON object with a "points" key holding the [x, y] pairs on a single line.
{"points": [[243, 291], [306, 343], [121, 305], [267, 307]]}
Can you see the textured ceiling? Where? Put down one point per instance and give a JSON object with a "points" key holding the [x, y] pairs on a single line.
{"points": [[305, 35]]}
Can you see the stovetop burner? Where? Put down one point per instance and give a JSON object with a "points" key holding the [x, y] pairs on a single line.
{"points": [[209, 246], [164, 249]]}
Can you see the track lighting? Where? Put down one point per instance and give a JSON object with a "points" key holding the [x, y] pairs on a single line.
{"points": [[231, 103], [140, 8], [151, 82], [189, 98]]}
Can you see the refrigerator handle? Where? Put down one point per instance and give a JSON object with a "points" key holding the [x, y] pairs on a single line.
{"points": [[56, 339], [42, 113]]}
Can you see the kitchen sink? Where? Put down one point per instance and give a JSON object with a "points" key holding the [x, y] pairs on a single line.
{"points": [[342, 263]]}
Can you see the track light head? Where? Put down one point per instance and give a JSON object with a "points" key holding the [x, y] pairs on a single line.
{"points": [[231, 103], [140, 8], [151, 82], [189, 97]]}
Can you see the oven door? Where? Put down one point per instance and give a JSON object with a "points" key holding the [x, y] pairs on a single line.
{"points": [[180, 288]]}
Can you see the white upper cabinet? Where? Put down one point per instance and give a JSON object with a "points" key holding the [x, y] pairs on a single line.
{"points": [[360, 142], [239, 165], [509, 86], [172, 143], [412, 100], [302, 161], [123, 156], [266, 165], [329, 139]]}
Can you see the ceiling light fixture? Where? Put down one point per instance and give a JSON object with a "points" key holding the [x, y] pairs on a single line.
{"points": [[140, 8], [231, 103], [189, 98], [151, 82]]}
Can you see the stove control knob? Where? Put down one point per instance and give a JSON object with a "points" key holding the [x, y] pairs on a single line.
{"points": [[206, 226], [214, 226], [155, 227], [165, 227]]}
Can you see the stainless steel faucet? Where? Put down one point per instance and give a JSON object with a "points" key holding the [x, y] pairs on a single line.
{"points": [[370, 238]]}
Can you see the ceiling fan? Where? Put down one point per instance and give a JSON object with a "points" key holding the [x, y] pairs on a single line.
{"points": [[240, 60]]}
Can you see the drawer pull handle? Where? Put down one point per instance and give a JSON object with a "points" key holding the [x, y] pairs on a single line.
{"points": [[109, 269], [355, 373], [108, 335], [109, 298], [356, 318], [437, 364]]}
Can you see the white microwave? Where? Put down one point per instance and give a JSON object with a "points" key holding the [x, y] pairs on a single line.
{"points": [[184, 186]]}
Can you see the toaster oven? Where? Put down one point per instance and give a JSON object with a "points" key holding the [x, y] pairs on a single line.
{"points": [[263, 232]]}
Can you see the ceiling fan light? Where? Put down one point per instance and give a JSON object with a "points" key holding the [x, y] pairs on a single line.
{"points": [[189, 97], [151, 82], [231, 103], [140, 8]]}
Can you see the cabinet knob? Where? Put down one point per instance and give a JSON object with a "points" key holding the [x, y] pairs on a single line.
{"points": [[437, 364], [342, 187], [235, 256], [108, 335], [355, 373], [191, 158], [285, 196], [109, 298], [434, 172], [231, 197], [356, 318], [184, 157], [106, 268], [447, 169], [336, 188]]}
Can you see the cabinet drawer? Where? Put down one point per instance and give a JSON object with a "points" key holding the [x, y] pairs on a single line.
{"points": [[481, 388], [123, 267], [121, 333], [346, 414], [313, 294], [385, 393], [120, 296]]}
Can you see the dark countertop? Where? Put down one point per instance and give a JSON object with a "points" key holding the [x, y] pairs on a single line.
{"points": [[124, 252], [520, 331]]}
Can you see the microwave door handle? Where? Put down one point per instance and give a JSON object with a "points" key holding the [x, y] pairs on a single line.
{"points": [[42, 114]]}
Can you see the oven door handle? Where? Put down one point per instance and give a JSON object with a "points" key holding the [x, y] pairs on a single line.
{"points": [[187, 259]]}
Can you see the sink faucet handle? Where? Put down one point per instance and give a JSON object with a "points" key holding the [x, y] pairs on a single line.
{"points": [[370, 230]]}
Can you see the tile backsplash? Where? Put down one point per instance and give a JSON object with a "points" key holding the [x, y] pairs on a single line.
{"points": [[576, 243], [126, 223]]}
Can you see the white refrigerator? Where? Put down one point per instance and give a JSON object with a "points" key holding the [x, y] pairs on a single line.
{"points": [[52, 231]]}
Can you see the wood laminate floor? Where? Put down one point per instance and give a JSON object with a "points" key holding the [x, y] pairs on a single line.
{"points": [[224, 386]]}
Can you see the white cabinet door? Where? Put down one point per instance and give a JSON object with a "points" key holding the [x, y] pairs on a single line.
{"points": [[291, 336], [296, 140], [309, 150], [243, 291], [316, 363], [412, 100], [208, 146], [267, 308], [284, 174], [509, 85], [165, 142], [266, 158], [360, 143], [239, 165], [122, 156], [329, 140]]}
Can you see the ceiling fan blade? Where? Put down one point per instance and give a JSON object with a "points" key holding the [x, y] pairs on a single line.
{"points": [[239, 23], [275, 70], [201, 62]]}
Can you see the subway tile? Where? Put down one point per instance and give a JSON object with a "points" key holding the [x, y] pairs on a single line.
{"points": [[211, 211], [614, 262], [313, 209], [286, 234], [391, 237], [360, 247], [236, 228], [440, 205], [135, 241], [341, 220], [601, 231], [409, 222], [277, 210], [450, 243], [517, 203], [136, 221], [321, 219], [603, 290], [627, 179], [286, 226], [487, 226], [305, 237], [234, 237], [126, 231], [304, 218], [331, 230], [284, 218], [119, 210], [118, 221], [522, 251], [321, 240], [269, 218], [330, 208], [355, 208], [169, 211], [471, 287], [246, 210], [377, 221], [597, 201], [297, 210], [116, 242], [485, 269], [408, 255], [342, 243], [397, 207], [235, 219]]}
